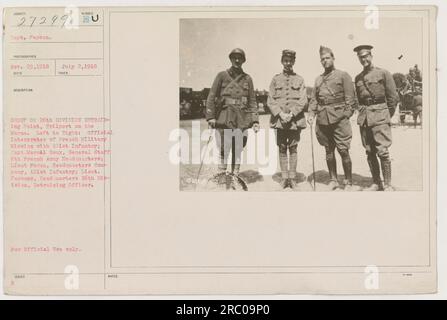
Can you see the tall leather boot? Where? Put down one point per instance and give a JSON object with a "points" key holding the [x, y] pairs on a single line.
{"points": [[293, 162], [347, 168], [386, 171], [283, 164], [332, 168]]}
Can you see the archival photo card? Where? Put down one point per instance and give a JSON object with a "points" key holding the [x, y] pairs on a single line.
{"points": [[220, 150]]}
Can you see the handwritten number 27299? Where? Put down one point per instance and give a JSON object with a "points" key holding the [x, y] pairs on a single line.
{"points": [[43, 20]]}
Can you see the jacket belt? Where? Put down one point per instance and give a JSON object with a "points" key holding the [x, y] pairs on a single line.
{"points": [[371, 101], [330, 102]]}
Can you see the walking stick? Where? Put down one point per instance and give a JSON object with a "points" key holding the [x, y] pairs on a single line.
{"points": [[202, 157], [313, 158]]}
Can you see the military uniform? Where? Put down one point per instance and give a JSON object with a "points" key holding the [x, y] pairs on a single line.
{"points": [[232, 103], [378, 97], [287, 93], [333, 101]]}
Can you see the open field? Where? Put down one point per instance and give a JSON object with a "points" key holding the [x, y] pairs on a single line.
{"points": [[406, 156]]}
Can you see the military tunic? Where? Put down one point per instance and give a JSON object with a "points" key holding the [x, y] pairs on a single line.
{"points": [[378, 97], [287, 93], [333, 101], [232, 102]]}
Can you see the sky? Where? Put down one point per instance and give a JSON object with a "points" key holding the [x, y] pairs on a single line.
{"points": [[206, 43]]}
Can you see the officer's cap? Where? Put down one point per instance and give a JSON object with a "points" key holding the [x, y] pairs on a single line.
{"points": [[324, 49], [288, 53], [237, 51], [363, 49]]}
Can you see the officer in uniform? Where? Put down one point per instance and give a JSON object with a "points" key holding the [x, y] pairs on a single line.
{"points": [[287, 100], [231, 108], [333, 103], [377, 95]]}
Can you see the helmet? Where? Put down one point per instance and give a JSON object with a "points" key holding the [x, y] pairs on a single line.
{"points": [[237, 51]]}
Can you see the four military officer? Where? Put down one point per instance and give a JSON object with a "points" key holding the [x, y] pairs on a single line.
{"points": [[286, 101]]}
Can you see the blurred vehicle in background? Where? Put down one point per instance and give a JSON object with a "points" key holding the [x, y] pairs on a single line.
{"points": [[192, 103]]}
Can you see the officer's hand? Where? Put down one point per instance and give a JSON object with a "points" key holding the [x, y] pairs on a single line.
{"points": [[212, 123], [310, 119], [349, 113], [256, 127]]}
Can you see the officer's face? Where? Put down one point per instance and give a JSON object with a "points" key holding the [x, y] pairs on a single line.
{"points": [[288, 63], [327, 60], [237, 60], [365, 60]]}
